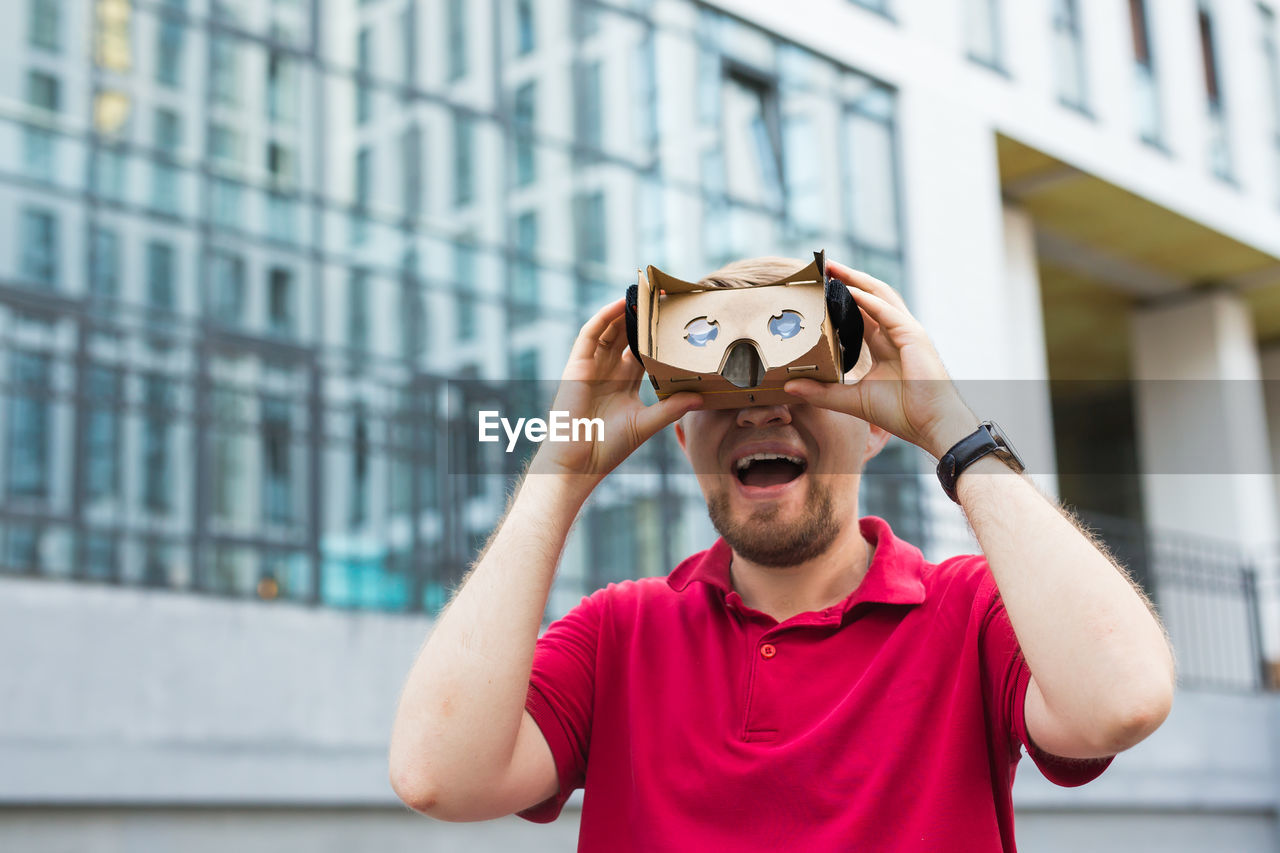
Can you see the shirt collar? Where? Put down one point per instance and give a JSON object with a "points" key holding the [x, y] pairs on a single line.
{"points": [[895, 576]]}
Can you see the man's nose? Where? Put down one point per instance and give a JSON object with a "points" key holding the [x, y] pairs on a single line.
{"points": [[764, 416]]}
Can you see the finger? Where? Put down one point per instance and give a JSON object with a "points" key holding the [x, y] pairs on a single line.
{"points": [[589, 335], [896, 323], [612, 342], [882, 349], [827, 395], [651, 419], [866, 282]]}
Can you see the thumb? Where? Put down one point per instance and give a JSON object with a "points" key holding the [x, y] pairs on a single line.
{"points": [[652, 419]]}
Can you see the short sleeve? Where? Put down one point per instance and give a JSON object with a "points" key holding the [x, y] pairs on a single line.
{"points": [[1007, 676], [561, 698]]}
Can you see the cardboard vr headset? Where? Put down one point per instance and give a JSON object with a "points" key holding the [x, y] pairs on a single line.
{"points": [[738, 346]]}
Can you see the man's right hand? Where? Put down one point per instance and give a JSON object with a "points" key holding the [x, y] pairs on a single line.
{"points": [[602, 380]]}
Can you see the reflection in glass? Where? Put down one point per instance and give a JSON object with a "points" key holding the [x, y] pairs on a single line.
{"points": [[27, 449]]}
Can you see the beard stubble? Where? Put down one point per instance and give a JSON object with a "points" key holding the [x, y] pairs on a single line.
{"points": [[765, 540]]}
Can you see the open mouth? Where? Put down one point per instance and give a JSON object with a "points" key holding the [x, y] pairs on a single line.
{"points": [[762, 470]]}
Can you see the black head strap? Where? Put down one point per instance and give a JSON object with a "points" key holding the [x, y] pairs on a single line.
{"points": [[633, 320]]}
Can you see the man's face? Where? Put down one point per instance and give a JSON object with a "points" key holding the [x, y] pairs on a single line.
{"points": [[781, 482]]}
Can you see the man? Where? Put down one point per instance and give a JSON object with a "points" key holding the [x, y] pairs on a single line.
{"points": [[809, 682]]}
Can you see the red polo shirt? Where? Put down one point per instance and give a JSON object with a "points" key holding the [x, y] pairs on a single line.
{"points": [[891, 721]]}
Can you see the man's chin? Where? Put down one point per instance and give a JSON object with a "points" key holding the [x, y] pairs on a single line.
{"points": [[777, 534]]}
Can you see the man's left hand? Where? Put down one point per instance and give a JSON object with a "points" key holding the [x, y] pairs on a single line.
{"points": [[907, 392]]}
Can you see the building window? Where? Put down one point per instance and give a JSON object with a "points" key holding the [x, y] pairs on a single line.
{"points": [[589, 231], [585, 21], [983, 32], [44, 24], [524, 284], [359, 468], [110, 173], [280, 302], [881, 6], [1271, 65], [165, 173], [39, 138], [102, 432], [39, 242], [1068, 49], [1146, 83], [157, 417], [409, 45], [525, 27], [29, 422], [364, 91], [358, 310], [229, 466], [363, 177], [169, 52], [112, 48], [413, 318], [464, 283], [523, 116], [104, 264], [872, 192], [226, 159], [463, 159], [646, 95], [161, 268], [1219, 143], [751, 140], [224, 72], [801, 147], [227, 287], [587, 126], [277, 480], [456, 47], [280, 166], [411, 161], [282, 88]]}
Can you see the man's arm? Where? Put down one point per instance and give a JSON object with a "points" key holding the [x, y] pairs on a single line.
{"points": [[453, 745], [1102, 668], [463, 746]]}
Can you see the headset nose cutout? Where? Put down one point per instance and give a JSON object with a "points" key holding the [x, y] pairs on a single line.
{"points": [[743, 367]]}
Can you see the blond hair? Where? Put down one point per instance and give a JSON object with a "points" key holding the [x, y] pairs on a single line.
{"points": [[752, 271]]}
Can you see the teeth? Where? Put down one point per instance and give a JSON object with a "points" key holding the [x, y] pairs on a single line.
{"points": [[755, 457]]}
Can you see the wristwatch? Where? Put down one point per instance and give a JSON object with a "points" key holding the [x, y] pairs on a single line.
{"points": [[987, 438]]}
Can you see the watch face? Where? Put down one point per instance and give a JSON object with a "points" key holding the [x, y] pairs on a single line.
{"points": [[1003, 441]]}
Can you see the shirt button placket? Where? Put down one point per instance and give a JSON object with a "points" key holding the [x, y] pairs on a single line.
{"points": [[768, 650]]}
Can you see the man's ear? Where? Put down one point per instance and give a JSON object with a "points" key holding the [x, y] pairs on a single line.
{"points": [[680, 433], [877, 438]]}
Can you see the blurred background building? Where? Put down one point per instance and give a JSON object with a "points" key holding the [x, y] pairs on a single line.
{"points": [[260, 260]]}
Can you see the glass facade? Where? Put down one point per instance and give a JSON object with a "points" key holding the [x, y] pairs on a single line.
{"points": [[982, 32], [1219, 134], [1271, 67], [267, 255], [1069, 54], [1146, 82]]}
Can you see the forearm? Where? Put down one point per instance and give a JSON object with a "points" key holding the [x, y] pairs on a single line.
{"points": [[464, 698], [1099, 655]]}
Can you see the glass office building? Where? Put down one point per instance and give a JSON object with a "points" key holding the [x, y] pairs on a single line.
{"points": [[258, 258]]}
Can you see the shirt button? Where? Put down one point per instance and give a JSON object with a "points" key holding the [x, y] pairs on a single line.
{"points": [[767, 651]]}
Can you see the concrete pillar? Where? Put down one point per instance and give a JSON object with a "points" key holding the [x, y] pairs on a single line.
{"points": [[1202, 429]]}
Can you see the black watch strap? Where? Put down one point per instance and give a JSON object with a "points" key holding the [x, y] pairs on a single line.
{"points": [[987, 438]]}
